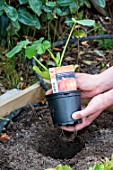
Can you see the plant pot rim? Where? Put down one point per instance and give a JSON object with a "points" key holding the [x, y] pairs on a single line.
{"points": [[63, 93]]}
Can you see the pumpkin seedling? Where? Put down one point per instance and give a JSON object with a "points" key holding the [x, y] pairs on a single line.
{"points": [[41, 46], [62, 104]]}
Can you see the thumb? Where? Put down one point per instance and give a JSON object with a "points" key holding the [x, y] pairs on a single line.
{"points": [[83, 113]]}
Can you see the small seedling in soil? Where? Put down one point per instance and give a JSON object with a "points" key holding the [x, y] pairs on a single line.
{"points": [[106, 164]]}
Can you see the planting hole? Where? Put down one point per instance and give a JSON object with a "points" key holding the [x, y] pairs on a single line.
{"points": [[59, 145]]}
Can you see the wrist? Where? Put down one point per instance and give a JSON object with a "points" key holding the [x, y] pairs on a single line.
{"points": [[104, 83], [100, 86], [105, 80]]}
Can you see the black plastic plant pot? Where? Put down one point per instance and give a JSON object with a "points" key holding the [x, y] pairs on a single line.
{"points": [[62, 105]]}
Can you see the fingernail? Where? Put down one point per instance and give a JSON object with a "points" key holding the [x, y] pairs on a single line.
{"points": [[75, 115]]}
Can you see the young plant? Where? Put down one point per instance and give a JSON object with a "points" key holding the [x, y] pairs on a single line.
{"points": [[106, 164], [41, 46]]}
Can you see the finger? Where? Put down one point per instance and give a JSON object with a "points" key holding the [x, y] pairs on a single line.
{"points": [[83, 113], [49, 92], [87, 121], [68, 128]]}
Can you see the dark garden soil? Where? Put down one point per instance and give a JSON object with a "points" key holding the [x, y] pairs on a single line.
{"points": [[35, 144]]}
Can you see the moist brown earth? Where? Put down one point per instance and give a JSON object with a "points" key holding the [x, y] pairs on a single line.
{"points": [[35, 144]]}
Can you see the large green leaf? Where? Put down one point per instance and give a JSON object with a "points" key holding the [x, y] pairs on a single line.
{"points": [[46, 44], [41, 46], [30, 51], [17, 48], [36, 6], [38, 42], [101, 3], [28, 19], [23, 1], [11, 12], [43, 74], [85, 22], [65, 2], [47, 8], [51, 4], [2, 4], [38, 46], [73, 8], [62, 12]]}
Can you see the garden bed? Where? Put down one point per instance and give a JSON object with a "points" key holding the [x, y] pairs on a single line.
{"points": [[35, 144]]}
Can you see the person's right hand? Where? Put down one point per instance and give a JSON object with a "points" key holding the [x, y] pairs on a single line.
{"points": [[88, 84]]}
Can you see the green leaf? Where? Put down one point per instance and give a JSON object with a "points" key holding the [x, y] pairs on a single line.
{"points": [[101, 3], [40, 49], [17, 48], [73, 8], [42, 46], [59, 167], [16, 24], [51, 4], [37, 46], [36, 6], [58, 11], [38, 42], [46, 44], [65, 2], [87, 3], [67, 167], [28, 19], [23, 1], [76, 66], [11, 12], [2, 4], [85, 22], [43, 74], [62, 12], [58, 58], [79, 33], [47, 8], [50, 16], [67, 21], [97, 166], [30, 51]]}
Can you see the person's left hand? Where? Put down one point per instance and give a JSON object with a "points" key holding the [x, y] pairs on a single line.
{"points": [[90, 113]]}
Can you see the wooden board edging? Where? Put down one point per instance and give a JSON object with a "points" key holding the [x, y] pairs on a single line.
{"points": [[32, 94]]}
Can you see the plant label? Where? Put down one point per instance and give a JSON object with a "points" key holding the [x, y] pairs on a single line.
{"points": [[63, 78]]}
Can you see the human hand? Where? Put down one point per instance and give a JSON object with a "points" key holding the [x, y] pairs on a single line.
{"points": [[90, 113], [88, 84]]}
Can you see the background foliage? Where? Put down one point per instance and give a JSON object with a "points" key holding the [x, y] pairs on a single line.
{"points": [[21, 15]]}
